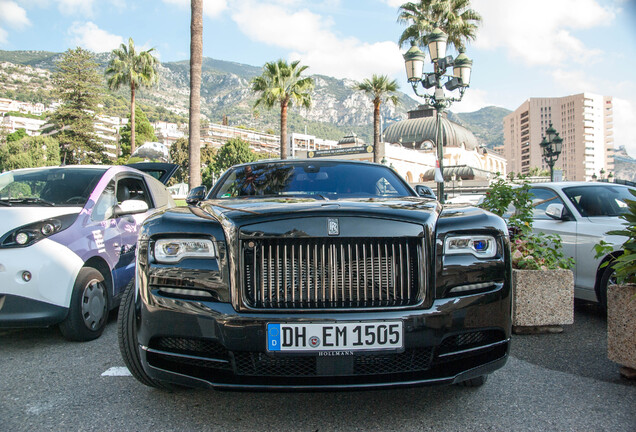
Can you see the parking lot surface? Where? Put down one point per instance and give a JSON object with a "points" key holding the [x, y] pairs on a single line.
{"points": [[560, 382]]}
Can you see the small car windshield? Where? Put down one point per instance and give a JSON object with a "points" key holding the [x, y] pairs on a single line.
{"points": [[593, 201], [48, 187], [319, 180]]}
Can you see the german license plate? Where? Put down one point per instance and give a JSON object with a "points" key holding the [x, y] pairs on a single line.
{"points": [[380, 335]]}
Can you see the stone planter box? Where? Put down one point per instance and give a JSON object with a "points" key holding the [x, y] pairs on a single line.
{"points": [[621, 325], [542, 300]]}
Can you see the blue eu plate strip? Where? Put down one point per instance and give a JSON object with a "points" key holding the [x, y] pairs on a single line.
{"points": [[273, 337]]}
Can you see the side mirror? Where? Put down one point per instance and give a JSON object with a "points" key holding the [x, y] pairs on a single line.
{"points": [[130, 207], [556, 211], [196, 195], [424, 191]]}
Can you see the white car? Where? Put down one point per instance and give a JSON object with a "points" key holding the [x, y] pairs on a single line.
{"points": [[68, 238], [582, 213]]}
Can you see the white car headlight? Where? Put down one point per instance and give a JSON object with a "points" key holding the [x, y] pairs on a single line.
{"points": [[481, 246], [170, 251]]}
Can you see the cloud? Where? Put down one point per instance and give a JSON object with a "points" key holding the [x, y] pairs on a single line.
{"points": [[211, 8], [539, 32], [624, 125], [309, 37], [89, 36], [11, 15], [473, 100], [394, 3], [76, 7], [573, 81]]}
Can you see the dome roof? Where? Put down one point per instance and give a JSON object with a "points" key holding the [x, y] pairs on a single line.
{"points": [[414, 132]]}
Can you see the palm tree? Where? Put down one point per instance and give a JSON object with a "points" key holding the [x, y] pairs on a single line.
{"points": [[134, 69], [196, 59], [282, 83], [381, 89], [454, 17]]}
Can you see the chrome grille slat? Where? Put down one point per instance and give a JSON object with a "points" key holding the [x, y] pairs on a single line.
{"points": [[323, 273]]}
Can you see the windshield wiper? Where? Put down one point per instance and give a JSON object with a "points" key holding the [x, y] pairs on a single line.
{"points": [[34, 200]]}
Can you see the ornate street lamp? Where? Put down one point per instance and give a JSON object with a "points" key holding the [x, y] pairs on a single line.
{"points": [[460, 80], [551, 145]]}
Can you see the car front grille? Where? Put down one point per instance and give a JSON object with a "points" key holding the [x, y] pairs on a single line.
{"points": [[326, 273]]}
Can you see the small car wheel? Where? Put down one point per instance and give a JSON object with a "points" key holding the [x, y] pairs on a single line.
{"points": [[88, 311], [475, 382], [608, 278], [127, 335]]}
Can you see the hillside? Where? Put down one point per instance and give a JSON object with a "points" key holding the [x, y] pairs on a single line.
{"points": [[337, 109], [486, 124]]}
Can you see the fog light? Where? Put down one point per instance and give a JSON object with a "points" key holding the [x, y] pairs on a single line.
{"points": [[26, 276], [21, 238], [47, 229]]}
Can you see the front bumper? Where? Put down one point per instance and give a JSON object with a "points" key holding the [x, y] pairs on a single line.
{"points": [[53, 268], [18, 311], [206, 344]]}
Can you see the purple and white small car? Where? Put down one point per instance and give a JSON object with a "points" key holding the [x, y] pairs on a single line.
{"points": [[67, 241]]}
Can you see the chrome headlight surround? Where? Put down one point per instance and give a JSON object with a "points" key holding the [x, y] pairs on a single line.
{"points": [[173, 250], [479, 245]]}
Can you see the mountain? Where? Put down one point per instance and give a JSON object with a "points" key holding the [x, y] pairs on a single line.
{"points": [[337, 109], [624, 165], [486, 124]]}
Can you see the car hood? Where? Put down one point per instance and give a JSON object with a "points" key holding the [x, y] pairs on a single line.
{"points": [[14, 217], [244, 211]]}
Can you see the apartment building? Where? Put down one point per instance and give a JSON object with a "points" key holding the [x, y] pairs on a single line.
{"points": [[584, 121], [12, 123]]}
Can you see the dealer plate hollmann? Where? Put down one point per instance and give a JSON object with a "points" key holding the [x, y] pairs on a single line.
{"points": [[307, 337]]}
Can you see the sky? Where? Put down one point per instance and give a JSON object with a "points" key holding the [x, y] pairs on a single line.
{"points": [[523, 49]]}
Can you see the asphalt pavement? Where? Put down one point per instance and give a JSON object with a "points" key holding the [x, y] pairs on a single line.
{"points": [[554, 382]]}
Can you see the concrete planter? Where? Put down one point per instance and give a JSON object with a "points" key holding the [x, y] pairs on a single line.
{"points": [[543, 300], [621, 327]]}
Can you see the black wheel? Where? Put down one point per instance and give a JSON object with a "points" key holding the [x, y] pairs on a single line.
{"points": [[88, 311], [475, 382], [608, 278], [127, 335]]}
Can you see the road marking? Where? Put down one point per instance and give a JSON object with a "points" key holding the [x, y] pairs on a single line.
{"points": [[117, 371]]}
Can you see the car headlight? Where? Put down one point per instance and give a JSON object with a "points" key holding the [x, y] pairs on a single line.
{"points": [[170, 251], [481, 246], [26, 235]]}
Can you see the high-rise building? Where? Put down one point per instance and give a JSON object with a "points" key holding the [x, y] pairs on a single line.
{"points": [[584, 121]]}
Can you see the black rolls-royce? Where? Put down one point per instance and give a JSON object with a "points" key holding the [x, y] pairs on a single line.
{"points": [[317, 274]]}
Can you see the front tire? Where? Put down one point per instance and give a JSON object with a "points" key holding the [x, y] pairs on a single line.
{"points": [[88, 312], [608, 278], [127, 335]]}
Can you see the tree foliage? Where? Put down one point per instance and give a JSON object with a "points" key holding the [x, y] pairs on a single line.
{"points": [[381, 89], [179, 154], [17, 135], [282, 83], [235, 151], [143, 131], [454, 17], [134, 69], [78, 86], [29, 152]]}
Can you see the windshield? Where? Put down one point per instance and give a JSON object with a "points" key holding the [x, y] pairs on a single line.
{"points": [[320, 180], [48, 187], [594, 201]]}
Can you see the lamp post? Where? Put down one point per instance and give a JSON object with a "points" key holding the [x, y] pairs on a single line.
{"points": [[551, 145], [459, 80]]}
